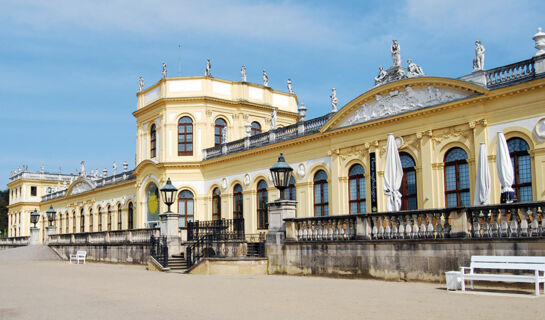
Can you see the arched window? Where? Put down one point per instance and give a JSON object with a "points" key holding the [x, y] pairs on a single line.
{"points": [[153, 141], [456, 178], [82, 221], [119, 225], [99, 219], [518, 149], [256, 128], [262, 211], [91, 220], [356, 192], [185, 137], [109, 217], [408, 183], [131, 216], [321, 194], [216, 204], [185, 207], [218, 131], [237, 202], [152, 199], [289, 193]]}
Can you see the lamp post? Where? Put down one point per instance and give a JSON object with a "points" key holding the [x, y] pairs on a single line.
{"points": [[168, 192], [34, 231], [280, 209], [281, 173], [169, 220], [50, 230]]}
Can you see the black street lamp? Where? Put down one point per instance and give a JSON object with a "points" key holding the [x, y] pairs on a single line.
{"points": [[168, 192], [34, 217], [51, 213], [281, 173]]}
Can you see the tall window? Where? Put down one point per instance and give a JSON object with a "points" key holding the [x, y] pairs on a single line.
{"points": [[216, 204], [185, 207], [131, 216], [119, 226], [82, 221], [152, 194], [73, 221], [256, 128], [518, 149], [356, 192], [90, 219], [153, 141], [237, 202], [289, 193], [456, 178], [99, 219], [185, 137], [218, 131], [408, 183], [262, 211], [321, 195], [109, 217]]}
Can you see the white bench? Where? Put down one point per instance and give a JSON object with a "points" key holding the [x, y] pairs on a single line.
{"points": [[80, 255], [491, 264]]}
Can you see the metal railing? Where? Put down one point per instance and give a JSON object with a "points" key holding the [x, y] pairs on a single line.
{"points": [[159, 250], [276, 135], [217, 230], [118, 237]]}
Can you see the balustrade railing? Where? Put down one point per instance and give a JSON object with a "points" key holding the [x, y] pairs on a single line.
{"points": [[326, 228], [510, 73], [514, 220], [135, 236], [15, 241]]}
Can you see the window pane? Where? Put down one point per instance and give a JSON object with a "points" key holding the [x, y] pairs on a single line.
{"points": [[464, 175], [181, 129], [524, 169], [451, 177], [317, 194], [181, 206], [526, 194], [362, 188], [451, 200], [189, 129], [181, 222], [189, 138], [353, 208], [353, 190], [318, 211], [326, 196], [189, 147], [464, 198], [411, 203], [363, 208], [190, 207], [182, 147], [326, 210], [411, 182]]}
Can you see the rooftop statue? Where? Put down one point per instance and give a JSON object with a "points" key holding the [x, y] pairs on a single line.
{"points": [[243, 73], [478, 62], [381, 76], [208, 67], [334, 100], [396, 53], [140, 84], [114, 168], [265, 78], [82, 168], [290, 87], [414, 70], [164, 70]]}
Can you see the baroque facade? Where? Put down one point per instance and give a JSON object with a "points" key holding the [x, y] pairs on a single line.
{"points": [[216, 140]]}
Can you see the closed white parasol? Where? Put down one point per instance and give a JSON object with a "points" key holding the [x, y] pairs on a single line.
{"points": [[393, 174], [505, 170], [482, 181]]}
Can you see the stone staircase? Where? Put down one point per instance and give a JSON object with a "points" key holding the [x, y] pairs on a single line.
{"points": [[177, 263]]}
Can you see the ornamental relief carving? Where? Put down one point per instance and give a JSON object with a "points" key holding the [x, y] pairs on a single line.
{"points": [[397, 101], [355, 151], [452, 133]]}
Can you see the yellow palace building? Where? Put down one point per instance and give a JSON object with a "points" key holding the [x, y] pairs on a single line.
{"points": [[216, 140]]}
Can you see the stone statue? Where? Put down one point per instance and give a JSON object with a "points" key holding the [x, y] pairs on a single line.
{"points": [[381, 76], [125, 166], [334, 100], [105, 173], [414, 70], [82, 168], [265, 78], [396, 53], [273, 119], [164, 70], [42, 169], [208, 67], [96, 173], [243, 73], [92, 173], [224, 135], [478, 62], [140, 84], [114, 170], [290, 87]]}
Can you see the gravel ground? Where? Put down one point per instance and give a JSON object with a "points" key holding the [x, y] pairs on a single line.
{"points": [[43, 287]]}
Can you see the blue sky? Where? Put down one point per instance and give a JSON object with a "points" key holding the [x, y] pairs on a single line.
{"points": [[69, 69]]}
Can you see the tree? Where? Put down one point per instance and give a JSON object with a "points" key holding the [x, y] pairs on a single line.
{"points": [[4, 201]]}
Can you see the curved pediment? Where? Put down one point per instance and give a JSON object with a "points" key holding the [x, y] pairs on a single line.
{"points": [[401, 97], [79, 186]]}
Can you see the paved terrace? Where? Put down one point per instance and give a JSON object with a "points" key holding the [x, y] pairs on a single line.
{"points": [[43, 287]]}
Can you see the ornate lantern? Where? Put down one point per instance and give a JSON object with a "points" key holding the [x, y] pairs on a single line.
{"points": [[51, 213], [168, 192], [34, 217], [281, 173]]}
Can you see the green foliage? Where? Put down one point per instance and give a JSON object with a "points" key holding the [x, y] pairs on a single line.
{"points": [[4, 201]]}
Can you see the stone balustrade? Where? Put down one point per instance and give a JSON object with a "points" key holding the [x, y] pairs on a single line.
{"points": [[15, 241], [105, 237], [518, 220], [510, 73]]}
